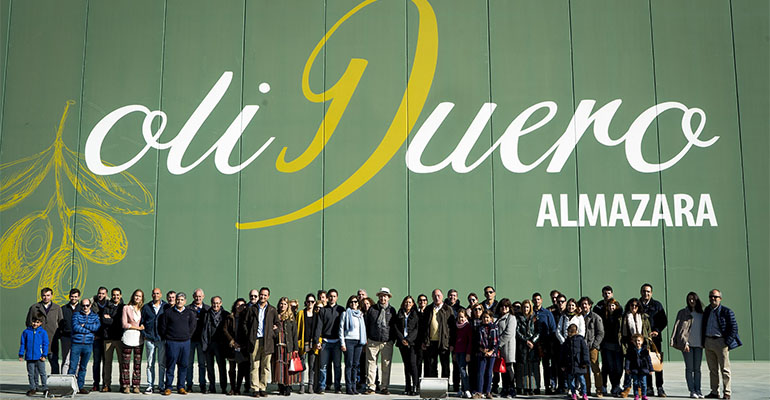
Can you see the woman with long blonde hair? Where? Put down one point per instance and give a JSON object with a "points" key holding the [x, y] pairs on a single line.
{"points": [[285, 348], [132, 343]]}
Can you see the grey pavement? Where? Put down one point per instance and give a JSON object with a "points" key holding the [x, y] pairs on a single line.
{"points": [[750, 380]]}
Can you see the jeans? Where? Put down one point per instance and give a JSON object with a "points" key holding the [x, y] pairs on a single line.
{"points": [[196, 348], [215, 353], [98, 355], [640, 382], [35, 369], [79, 355], [484, 380], [575, 381], [409, 357], [353, 350], [692, 360], [176, 355], [462, 368], [156, 351], [308, 374], [612, 366], [330, 354]]}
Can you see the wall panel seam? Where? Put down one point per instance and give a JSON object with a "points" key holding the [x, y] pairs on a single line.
{"points": [[157, 151], [577, 170], [6, 47]]}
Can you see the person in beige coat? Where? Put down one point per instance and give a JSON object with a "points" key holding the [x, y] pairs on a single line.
{"points": [[52, 317], [687, 338]]}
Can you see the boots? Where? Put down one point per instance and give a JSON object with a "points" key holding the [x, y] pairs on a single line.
{"points": [[625, 392]]}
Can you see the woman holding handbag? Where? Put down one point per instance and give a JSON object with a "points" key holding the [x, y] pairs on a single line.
{"points": [[634, 322], [506, 325], [353, 337], [528, 357], [688, 338], [285, 349], [308, 352], [132, 343]]}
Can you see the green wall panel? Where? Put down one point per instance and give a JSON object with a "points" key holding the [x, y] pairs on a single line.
{"points": [[202, 41], [5, 21], [606, 68], [365, 242], [284, 32], [450, 214], [752, 59], [707, 81], [36, 92], [137, 29], [538, 71]]}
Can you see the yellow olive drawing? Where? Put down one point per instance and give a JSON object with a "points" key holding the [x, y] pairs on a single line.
{"points": [[24, 248], [64, 270], [99, 237]]}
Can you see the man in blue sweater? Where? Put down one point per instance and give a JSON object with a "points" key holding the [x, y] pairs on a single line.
{"points": [[176, 326], [85, 324]]}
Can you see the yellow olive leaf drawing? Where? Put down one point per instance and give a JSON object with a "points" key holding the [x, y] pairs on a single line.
{"points": [[24, 249], [64, 270], [99, 237], [121, 193], [18, 179]]}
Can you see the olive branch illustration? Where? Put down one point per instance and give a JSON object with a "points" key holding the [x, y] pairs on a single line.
{"points": [[25, 248]]}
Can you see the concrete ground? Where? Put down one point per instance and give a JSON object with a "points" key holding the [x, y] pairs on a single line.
{"points": [[750, 380]]}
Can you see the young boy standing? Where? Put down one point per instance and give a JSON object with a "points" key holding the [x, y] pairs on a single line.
{"points": [[638, 365], [33, 349], [574, 361]]}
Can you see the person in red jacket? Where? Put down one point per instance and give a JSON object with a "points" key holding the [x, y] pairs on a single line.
{"points": [[462, 350]]}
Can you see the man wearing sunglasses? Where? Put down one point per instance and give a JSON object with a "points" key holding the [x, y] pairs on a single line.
{"points": [[84, 325], [721, 332]]}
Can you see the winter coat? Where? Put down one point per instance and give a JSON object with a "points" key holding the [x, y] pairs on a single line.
{"points": [[546, 323], [51, 319], [574, 357], [373, 330], [487, 338], [412, 325], [506, 326], [150, 320], [305, 326], [84, 327], [289, 328], [527, 330], [199, 313], [680, 334], [656, 313], [112, 327], [34, 343], [211, 332], [446, 326], [65, 326], [612, 325], [727, 325], [638, 363], [565, 321], [251, 324], [234, 335], [625, 332], [594, 330]]}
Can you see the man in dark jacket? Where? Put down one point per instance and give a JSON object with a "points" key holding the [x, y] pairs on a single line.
{"points": [[439, 322], [52, 318], [328, 332], [65, 328], [546, 326], [594, 336], [98, 302], [84, 324], [214, 343], [260, 324], [658, 322], [721, 332], [196, 346], [379, 332], [112, 331], [153, 344], [176, 326]]}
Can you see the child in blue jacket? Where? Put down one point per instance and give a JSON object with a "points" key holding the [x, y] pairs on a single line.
{"points": [[638, 365], [33, 349]]}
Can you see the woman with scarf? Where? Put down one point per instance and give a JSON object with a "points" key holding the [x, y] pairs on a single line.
{"points": [[285, 348], [463, 346], [612, 353], [237, 358], [527, 356], [407, 326], [572, 316], [475, 320], [308, 351], [487, 340], [506, 324], [353, 337], [634, 322]]}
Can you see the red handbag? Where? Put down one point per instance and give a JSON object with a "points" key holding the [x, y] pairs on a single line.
{"points": [[500, 365], [295, 363]]}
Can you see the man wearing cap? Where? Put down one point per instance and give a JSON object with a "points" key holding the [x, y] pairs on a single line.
{"points": [[379, 329]]}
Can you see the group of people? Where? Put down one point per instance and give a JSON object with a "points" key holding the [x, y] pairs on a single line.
{"points": [[478, 346]]}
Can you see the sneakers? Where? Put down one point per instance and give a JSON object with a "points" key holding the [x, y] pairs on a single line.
{"points": [[574, 397], [467, 394], [31, 392], [585, 397], [636, 397], [148, 390]]}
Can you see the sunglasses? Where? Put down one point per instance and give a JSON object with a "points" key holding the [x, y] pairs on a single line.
{"points": [[354, 302], [252, 296], [562, 301], [86, 305], [714, 297], [490, 291]]}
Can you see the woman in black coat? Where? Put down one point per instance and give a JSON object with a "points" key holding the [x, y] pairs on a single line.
{"points": [[407, 326]]}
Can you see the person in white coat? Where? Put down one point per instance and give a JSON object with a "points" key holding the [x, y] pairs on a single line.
{"points": [[506, 325], [571, 316]]}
